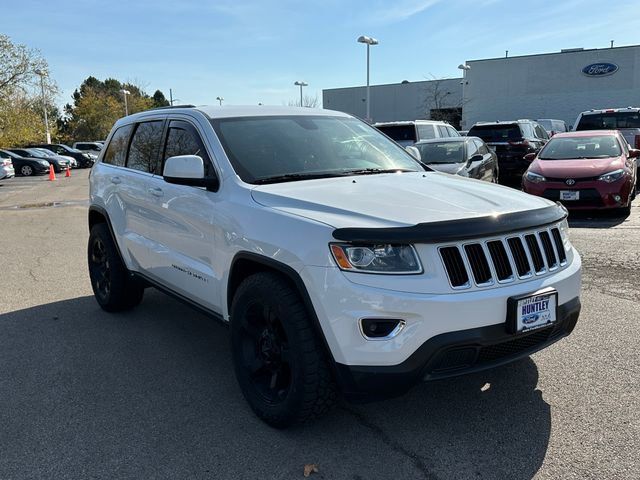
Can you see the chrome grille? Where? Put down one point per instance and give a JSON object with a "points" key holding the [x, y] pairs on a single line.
{"points": [[485, 262]]}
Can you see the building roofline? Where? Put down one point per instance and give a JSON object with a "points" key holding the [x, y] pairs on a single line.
{"points": [[552, 53], [396, 83]]}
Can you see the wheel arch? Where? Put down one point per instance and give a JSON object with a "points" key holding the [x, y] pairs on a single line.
{"points": [[245, 264], [97, 215]]}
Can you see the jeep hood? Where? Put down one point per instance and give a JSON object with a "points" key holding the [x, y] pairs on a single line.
{"points": [[393, 200]]}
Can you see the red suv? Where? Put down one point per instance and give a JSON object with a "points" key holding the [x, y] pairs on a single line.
{"points": [[591, 169]]}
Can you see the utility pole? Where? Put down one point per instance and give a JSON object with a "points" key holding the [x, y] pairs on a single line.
{"points": [[44, 104]]}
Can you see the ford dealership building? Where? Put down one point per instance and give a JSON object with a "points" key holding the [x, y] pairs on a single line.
{"points": [[552, 85]]}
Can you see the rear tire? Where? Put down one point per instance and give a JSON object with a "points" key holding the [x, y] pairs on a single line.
{"points": [[26, 170], [113, 286], [280, 364]]}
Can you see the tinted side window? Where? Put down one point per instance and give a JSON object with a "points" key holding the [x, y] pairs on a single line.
{"points": [[452, 132], [426, 132], [482, 148], [472, 149], [443, 131], [145, 147], [540, 132], [183, 139], [116, 152]]}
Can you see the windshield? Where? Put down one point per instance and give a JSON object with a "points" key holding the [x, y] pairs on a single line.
{"points": [[609, 121], [263, 148], [444, 152], [596, 146], [496, 133], [42, 152], [405, 135]]}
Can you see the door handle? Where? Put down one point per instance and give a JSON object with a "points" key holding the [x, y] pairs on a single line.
{"points": [[156, 192], [116, 180]]}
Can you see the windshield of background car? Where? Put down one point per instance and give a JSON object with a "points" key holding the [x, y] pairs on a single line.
{"points": [[597, 146], [405, 135], [444, 152], [609, 121], [264, 147], [496, 133]]}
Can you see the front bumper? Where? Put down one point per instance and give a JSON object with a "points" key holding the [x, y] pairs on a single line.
{"points": [[594, 194], [452, 354], [433, 323]]}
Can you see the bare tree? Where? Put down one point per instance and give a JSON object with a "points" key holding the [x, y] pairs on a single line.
{"points": [[307, 101], [438, 104], [18, 65]]}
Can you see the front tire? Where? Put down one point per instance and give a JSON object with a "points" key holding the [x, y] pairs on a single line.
{"points": [[26, 170], [280, 364], [114, 288]]}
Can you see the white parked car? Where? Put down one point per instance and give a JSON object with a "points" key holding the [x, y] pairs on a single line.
{"points": [[340, 263], [407, 133]]}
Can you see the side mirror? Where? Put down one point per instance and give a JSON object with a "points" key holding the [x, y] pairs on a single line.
{"points": [[414, 152], [530, 157], [634, 153], [187, 170], [476, 158]]}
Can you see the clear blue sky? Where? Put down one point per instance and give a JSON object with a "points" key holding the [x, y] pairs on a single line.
{"points": [[251, 51]]}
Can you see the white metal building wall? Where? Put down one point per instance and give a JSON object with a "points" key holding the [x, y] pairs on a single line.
{"points": [[397, 101], [549, 85]]}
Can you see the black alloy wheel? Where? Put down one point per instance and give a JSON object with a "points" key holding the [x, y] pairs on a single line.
{"points": [[265, 353]]}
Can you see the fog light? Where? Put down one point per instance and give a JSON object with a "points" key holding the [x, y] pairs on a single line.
{"points": [[617, 198], [380, 328]]}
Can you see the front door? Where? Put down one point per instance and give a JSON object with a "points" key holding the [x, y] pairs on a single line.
{"points": [[182, 224]]}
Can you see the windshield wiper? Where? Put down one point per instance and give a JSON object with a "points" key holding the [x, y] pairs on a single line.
{"points": [[372, 171], [292, 177]]}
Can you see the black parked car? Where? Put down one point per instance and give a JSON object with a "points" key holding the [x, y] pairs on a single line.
{"points": [[511, 141], [26, 166], [59, 164], [84, 160], [465, 156]]}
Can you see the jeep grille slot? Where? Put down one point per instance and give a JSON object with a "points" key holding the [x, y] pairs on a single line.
{"points": [[549, 252], [454, 266], [559, 245], [536, 253], [519, 255], [500, 260], [516, 257], [479, 264]]}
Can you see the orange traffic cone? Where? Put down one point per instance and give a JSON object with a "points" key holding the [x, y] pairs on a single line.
{"points": [[52, 173], [68, 172]]}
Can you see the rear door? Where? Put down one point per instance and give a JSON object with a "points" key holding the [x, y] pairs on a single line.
{"points": [[183, 224]]}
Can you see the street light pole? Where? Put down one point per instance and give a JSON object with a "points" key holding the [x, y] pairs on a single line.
{"points": [[44, 104], [126, 106], [369, 41], [220, 99], [301, 84]]}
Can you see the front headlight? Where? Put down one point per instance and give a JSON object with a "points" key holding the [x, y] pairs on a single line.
{"points": [[612, 176], [534, 177], [564, 233], [44, 162], [390, 259]]}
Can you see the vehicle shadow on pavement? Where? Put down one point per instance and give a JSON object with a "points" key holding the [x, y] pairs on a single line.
{"points": [[596, 218], [151, 393]]}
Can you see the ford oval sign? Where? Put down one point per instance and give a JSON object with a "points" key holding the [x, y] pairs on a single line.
{"points": [[600, 69]]}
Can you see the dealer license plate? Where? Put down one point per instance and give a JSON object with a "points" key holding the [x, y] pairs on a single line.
{"points": [[533, 311], [569, 195]]}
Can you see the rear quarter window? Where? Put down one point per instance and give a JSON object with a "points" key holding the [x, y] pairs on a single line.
{"points": [[116, 152]]}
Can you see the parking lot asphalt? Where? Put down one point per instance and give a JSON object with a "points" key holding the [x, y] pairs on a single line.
{"points": [[151, 393]]}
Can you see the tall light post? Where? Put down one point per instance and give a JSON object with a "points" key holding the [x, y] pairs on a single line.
{"points": [[301, 84], [465, 68], [126, 106], [42, 74], [220, 99], [369, 41]]}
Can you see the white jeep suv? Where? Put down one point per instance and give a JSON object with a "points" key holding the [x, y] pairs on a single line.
{"points": [[340, 263]]}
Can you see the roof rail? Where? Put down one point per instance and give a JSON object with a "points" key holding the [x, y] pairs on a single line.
{"points": [[173, 106]]}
